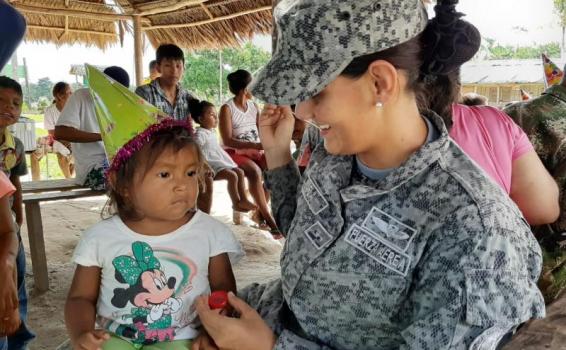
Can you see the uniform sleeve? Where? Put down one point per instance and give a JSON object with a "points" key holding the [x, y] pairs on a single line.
{"points": [[283, 183], [21, 168], [71, 113], [224, 241], [6, 187], [86, 252], [470, 293]]}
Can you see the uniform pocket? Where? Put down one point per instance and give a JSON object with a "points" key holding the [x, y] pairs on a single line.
{"points": [[501, 297]]}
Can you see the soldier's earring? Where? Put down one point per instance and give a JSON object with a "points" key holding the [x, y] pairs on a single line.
{"points": [[379, 104]]}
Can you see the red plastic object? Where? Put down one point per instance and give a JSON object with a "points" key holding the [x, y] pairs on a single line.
{"points": [[218, 299]]}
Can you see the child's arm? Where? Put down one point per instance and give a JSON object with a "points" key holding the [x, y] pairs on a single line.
{"points": [[18, 203], [220, 275], [9, 320], [80, 309]]}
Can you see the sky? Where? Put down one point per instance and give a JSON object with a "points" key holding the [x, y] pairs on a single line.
{"points": [[513, 22]]}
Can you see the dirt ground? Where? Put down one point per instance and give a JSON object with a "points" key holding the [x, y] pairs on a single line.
{"points": [[63, 223]]}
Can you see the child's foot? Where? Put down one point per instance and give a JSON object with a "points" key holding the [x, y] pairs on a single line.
{"points": [[245, 206]]}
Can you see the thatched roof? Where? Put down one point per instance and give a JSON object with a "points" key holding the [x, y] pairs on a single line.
{"points": [[191, 24]]}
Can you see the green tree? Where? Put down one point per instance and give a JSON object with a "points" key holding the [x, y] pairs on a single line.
{"points": [[494, 51], [42, 89], [560, 7], [202, 71]]}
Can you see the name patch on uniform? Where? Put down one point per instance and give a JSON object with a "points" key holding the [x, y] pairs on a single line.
{"points": [[378, 249], [390, 229], [318, 235], [313, 196]]}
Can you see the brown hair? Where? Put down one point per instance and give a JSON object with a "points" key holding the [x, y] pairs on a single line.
{"points": [[121, 181]]}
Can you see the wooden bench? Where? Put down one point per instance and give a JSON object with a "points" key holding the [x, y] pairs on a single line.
{"points": [[35, 192]]}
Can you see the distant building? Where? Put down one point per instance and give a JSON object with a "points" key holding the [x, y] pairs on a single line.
{"points": [[501, 81], [78, 70]]}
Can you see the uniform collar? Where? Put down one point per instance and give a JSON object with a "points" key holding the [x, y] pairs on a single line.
{"points": [[421, 160], [9, 142], [557, 91]]}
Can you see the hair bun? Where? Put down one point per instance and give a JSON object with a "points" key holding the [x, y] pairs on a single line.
{"points": [[448, 40]]}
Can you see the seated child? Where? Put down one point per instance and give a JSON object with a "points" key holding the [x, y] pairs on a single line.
{"points": [[224, 168], [139, 271], [13, 164], [9, 315]]}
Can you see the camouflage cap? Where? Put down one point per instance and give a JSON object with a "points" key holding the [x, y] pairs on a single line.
{"points": [[317, 39]]}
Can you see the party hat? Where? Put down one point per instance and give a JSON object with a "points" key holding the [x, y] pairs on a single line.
{"points": [[126, 120], [552, 74], [525, 96]]}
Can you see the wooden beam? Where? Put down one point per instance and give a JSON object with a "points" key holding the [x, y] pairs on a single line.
{"points": [[156, 7], [205, 9], [71, 30], [216, 19], [109, 17], [138, 50]]}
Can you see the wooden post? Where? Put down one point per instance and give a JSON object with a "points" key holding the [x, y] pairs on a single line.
{"points": [[37, 246], [138, 50]]}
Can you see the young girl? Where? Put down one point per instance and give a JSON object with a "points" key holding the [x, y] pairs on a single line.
{"points": [[139, 271], [224, 168]]}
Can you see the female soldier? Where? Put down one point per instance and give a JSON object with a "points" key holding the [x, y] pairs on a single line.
{"points": [[395, 239]]}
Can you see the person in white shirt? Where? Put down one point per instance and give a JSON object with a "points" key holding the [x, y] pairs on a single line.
{"points": [[223, 167], [77, 124], [139, 272], [61, 93]]}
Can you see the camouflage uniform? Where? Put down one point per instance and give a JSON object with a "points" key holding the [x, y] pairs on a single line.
{"points": [[544, 120], [434, 256]]}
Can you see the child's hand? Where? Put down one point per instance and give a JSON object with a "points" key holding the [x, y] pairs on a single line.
{"points": [[8, 291], [91, 340], [9, 322]]}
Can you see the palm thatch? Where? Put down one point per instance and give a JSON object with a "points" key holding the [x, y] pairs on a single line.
{"points": [[53, 27], [192, 24]]}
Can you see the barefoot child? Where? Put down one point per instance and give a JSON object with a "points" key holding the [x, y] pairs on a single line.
{"points": [[139, 271], [224, 168]]}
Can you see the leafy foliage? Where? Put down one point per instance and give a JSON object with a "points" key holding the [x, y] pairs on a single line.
{"points": [[202, 73]]}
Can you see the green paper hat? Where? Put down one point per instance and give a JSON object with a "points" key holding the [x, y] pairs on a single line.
{"points": [[126, 120]]}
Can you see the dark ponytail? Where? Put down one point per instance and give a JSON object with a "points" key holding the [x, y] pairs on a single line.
{"points": [[197, 108], [59, 89], [431, 60]]}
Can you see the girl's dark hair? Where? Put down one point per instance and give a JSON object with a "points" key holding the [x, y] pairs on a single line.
{"points": [[175, 139], [59, 88], [239, 80], [431, 60], [197, 108]]}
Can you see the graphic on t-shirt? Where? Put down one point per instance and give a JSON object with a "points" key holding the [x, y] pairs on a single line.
{"points": [[249, 136], [154, 294]]}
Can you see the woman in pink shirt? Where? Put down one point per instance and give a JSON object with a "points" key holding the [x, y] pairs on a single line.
{"points": [[501, 148]]}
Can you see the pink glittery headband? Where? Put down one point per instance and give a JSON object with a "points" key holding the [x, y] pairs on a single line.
{"points": [[136, 144]]}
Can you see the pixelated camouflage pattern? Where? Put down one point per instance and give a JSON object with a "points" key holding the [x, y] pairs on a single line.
{"points": [[473, 261], [316, 40], [544, 121]]}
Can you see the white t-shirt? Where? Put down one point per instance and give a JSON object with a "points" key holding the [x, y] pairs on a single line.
{"points": [[79, 113], [215, 156], [149, 283], [49, 120]]}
